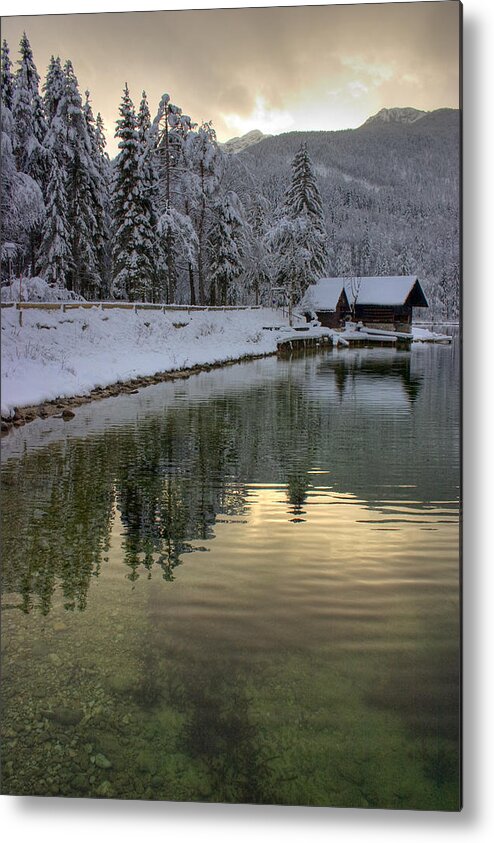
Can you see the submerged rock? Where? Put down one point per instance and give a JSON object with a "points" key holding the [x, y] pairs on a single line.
{"points": [[102, 761], [105, 789], [64, 715], [146, 762]]}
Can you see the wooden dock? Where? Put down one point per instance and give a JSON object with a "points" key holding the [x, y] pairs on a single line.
{"points": [[300, 344]]}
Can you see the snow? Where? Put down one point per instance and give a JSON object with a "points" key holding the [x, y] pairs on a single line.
{"points": [[390, 290], [57, 354], [425, 335], [324, 295], [35, 290]]}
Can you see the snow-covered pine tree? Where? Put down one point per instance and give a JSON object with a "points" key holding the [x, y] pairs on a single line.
{"points": [[257, 267], [106, 175], [226, 246], [22, 207], [53, 88], [100, 190], [203, 171], [32, 158], [151, 249], [170, 127], [29, 118], [303, 200], [69, 136], [290, 257], [178, 233], [7, 79], [56, 244], [132, 270]]}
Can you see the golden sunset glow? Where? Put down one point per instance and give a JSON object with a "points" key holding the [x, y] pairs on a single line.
{"points": [[272, 69]]}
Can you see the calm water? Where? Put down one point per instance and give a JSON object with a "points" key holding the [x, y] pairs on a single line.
{"points": [[240, 587]]}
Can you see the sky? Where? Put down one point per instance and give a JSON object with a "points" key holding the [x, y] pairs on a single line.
{"points": [[273, 69]]}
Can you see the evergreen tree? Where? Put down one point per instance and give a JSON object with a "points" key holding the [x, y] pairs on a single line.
{"points": [[56, 245], [150, 248], [226, 245], [203, 171], [7, 78], [257, 268], [100, 187], [53, 88], [303, 200], [132, 270], [71, 139], [171, 128], [29, 117], [22, 207], [290, 256], [32, 158], [106, 177]]}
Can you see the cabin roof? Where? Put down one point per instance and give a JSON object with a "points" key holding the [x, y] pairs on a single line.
{"points": [[384, 291], [325, 294]]}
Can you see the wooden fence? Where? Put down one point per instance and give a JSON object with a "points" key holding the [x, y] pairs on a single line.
{"points": [[114, 305]]}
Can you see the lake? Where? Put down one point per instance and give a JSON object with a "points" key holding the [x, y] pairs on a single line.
{"points": [[240, 587]]}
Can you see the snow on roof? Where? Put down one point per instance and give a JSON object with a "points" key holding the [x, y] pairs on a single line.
{"points": [[389, 290], [381, 290], [324, 295]]}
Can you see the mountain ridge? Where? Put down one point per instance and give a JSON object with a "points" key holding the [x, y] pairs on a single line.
{"points": [[238, 144], [390, 192], [385, 118], [406, 115]]}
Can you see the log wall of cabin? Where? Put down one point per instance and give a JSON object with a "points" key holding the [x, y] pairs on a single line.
{"points": [[397, 318], [329, 318]]}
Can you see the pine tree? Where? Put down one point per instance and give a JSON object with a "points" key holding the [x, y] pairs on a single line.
{"points": [[226, 246], [53, 88], [303, 201], [7, 78], [132, 272], [100, 188], [56, 245], [290, 256], [257, 268], [29, 117], [106, 177], [22, 207], [32, 158], [204, 163], [69, 136], [150, 248], [170, 127]]}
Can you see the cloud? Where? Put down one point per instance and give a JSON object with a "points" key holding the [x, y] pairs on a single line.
{"points": [[271, 120], [273, 65], [356, 88]]}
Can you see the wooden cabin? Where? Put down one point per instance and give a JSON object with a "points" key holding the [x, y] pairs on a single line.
{"points": [[329, 301], [384, 302]]}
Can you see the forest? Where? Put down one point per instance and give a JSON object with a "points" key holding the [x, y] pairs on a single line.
{"points": [[176, 218]]}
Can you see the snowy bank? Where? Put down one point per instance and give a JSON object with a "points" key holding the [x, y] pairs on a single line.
{"points": [[57, 354], [425, 335]]}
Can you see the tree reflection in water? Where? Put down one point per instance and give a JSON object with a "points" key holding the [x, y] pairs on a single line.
{"points": [[172, 475]]}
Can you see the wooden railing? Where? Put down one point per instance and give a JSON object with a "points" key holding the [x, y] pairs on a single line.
{"points": [[135, 306]]}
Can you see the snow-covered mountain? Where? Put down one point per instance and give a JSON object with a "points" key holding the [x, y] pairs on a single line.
{"points": [[390, 191], [235, 145], [396, 115]]}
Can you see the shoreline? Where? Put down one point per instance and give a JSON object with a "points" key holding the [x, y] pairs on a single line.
{"points": [[63, 407]]}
